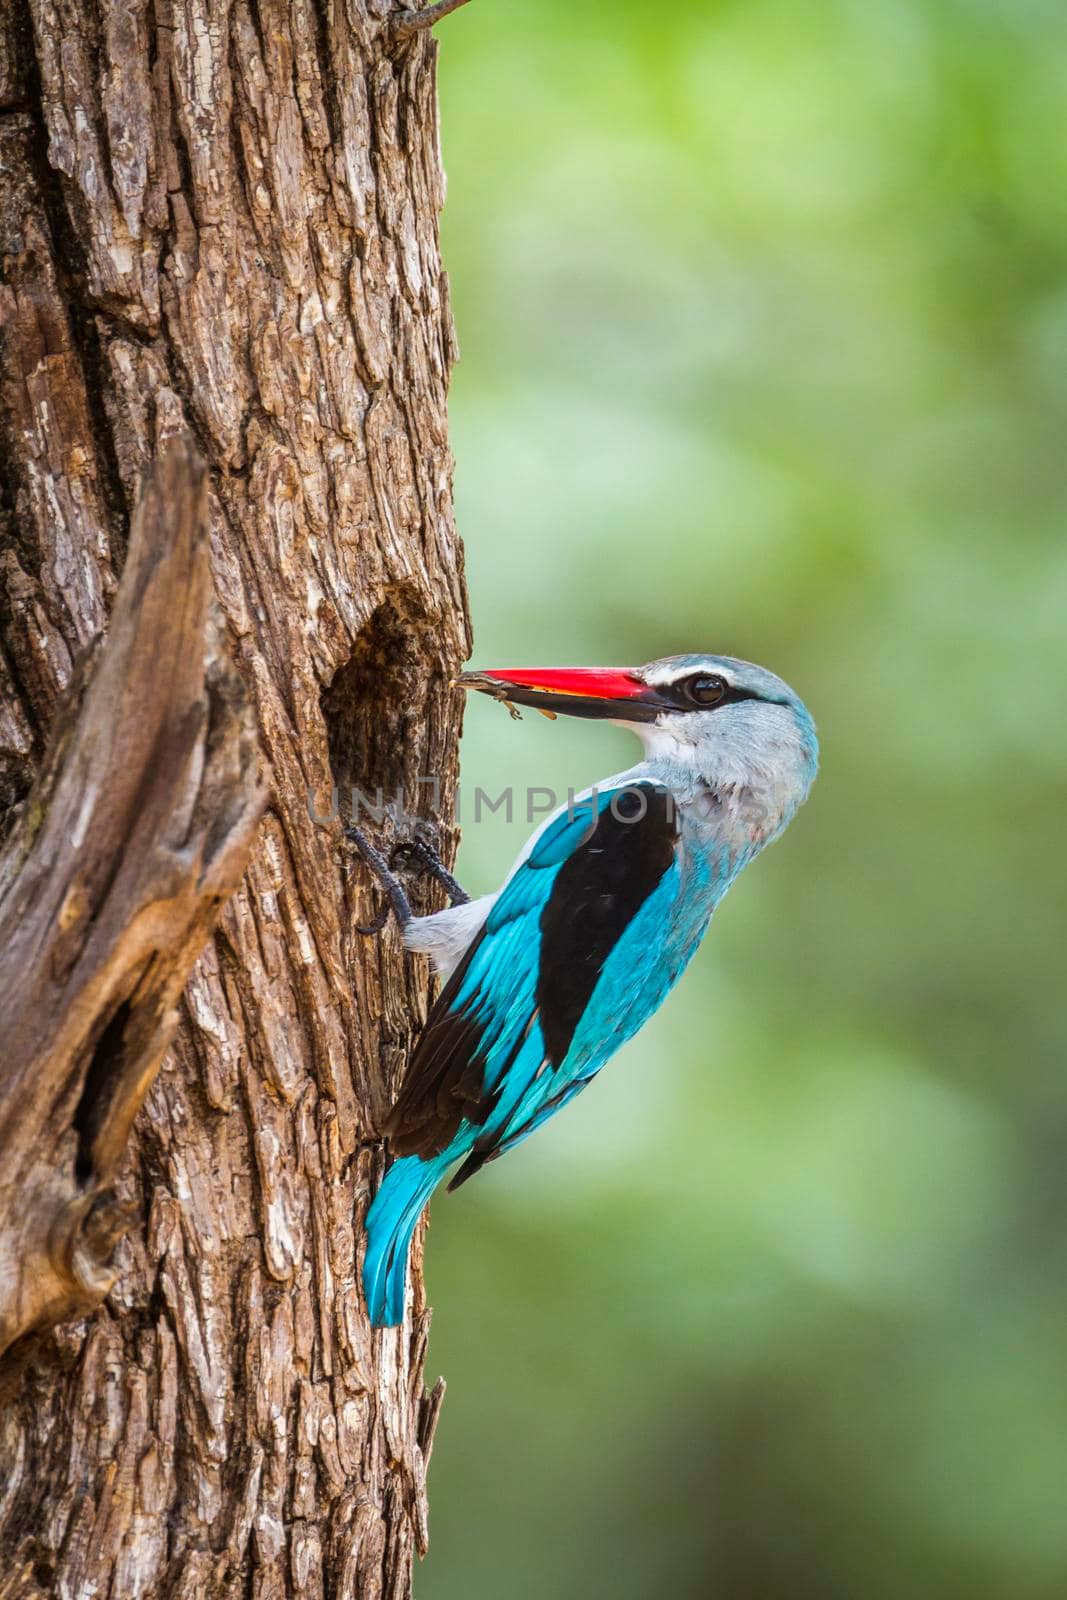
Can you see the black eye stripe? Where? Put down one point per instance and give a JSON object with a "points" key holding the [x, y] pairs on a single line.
{"points": [[678, 697]]}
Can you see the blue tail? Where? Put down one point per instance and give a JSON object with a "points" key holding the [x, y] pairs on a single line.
{"points": [[391, 1220]]}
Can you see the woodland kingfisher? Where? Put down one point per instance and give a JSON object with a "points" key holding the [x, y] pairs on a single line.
{"points": [[599, 916]]}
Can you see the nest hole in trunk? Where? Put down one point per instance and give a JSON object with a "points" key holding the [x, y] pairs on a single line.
{"points": [[374, 709]]}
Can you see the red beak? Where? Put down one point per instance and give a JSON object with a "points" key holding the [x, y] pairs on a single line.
{"points": [[572, 691]]}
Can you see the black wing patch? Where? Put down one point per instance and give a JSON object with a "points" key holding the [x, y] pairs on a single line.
{"points": [[595, 894], [598, 891]]}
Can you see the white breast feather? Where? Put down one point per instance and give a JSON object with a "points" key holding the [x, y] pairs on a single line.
{"points": [[446, 936]]}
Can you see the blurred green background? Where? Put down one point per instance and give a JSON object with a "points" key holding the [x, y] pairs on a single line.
{"points": [[763, 314]]}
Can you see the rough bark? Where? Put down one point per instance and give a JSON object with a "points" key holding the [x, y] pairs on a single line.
{"points": [[136, 831], [218, 218]]}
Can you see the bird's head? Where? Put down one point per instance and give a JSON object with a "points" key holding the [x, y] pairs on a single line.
{"points": [[714, 721]]}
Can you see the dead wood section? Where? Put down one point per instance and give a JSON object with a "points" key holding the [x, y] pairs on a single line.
{"points": [[136, 831]]}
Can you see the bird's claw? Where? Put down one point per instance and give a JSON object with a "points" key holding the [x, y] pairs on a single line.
{"points": [[379, 922], [420, 850], [398, 901]]}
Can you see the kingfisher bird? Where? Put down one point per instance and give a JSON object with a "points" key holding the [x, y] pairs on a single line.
{"points": [[594, 924]]}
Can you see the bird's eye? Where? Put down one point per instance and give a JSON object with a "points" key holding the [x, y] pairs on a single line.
{"points": [[705, 690]]}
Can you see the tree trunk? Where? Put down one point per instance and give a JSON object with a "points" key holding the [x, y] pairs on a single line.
{"points": [[218, 221]]}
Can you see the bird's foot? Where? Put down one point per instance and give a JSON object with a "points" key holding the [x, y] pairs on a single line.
{"points": [[422, 853], [397, 901], [420, 850]]}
